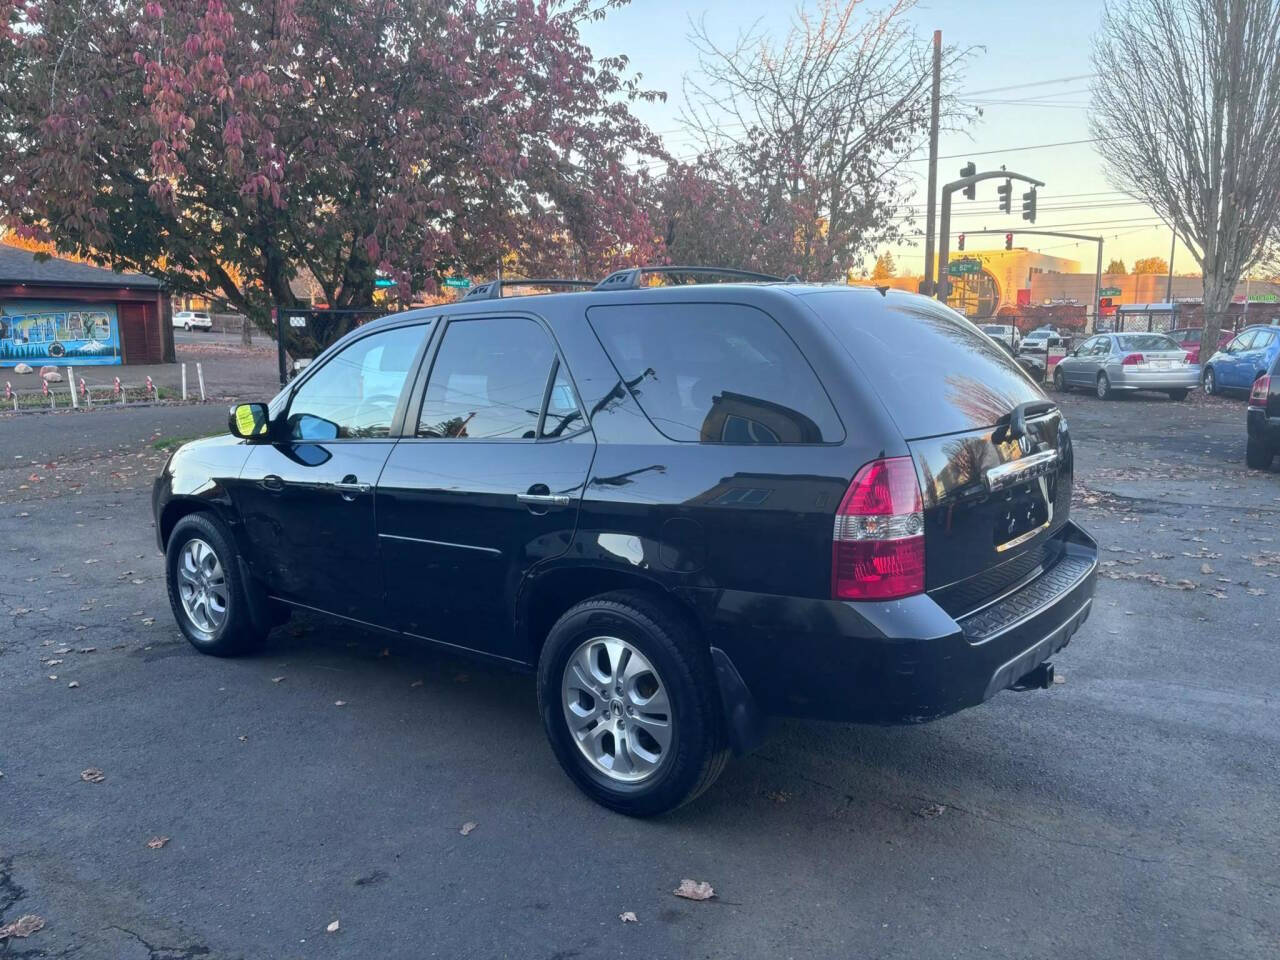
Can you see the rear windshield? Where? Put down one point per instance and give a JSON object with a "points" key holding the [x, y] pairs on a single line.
{"points": [[1190, 336], [1146, 341], [934, 371]]}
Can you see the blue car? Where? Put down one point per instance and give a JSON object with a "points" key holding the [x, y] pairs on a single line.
{"points": [[1242, 361]]}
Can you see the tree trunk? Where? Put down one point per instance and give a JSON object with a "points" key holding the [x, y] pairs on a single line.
{"points": [[1217, 297]]}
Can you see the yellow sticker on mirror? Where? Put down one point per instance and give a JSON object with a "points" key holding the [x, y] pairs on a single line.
{"points": [[247, 420]]}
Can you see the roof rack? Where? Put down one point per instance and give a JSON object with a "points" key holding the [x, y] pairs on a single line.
{"points": [[629, 279], [492, 290]]}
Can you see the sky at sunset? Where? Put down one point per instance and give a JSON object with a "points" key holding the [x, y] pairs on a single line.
{"points": [[1019, 43]]}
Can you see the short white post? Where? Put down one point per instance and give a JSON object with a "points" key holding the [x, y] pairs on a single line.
{"points": [[184, 382], [119, 390], [71, 385], [200, 377]]}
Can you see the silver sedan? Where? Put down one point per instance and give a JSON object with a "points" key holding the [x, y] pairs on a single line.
{"points": [[1110, 362]]}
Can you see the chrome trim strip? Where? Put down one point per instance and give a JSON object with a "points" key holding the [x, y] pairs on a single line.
{"points": [[1016, 471], [439, 543], [1023, 538]]}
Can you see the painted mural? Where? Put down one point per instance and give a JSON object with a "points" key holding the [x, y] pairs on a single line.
{"points": [[60, 333]]}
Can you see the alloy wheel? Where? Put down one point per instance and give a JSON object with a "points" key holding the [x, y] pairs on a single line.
{"points": [[1209, 385], [202, 586], [617, 709], [1104, 387]]}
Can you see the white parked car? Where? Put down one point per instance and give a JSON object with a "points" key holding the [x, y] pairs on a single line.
{"points": [[193, 320], [1006, 333]]}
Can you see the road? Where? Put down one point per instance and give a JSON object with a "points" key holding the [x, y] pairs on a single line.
{"points": [[1129, 812]]}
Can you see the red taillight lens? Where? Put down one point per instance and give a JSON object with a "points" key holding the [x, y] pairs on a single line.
{"points": [[1132, 360], [1261, 387], [877, 550], [1191, 357]]}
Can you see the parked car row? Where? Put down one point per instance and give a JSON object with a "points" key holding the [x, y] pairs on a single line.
{"points": [[1112, 362]]}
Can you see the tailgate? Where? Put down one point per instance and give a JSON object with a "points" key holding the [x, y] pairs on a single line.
{"points": [[993, 504]]}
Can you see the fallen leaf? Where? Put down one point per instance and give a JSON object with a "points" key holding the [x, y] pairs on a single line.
{"points": [[416, 683], [24, 926], [276, 679], [931, 810], [628, 917], [243, 739], [468, 827], [332, 928], [155, 843], [87, 650], [339, 703], [73, 684], [694, 890], [92, 775], [148, 621], [1205, 568]]}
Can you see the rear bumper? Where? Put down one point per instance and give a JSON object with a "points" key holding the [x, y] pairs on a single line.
{"points": [[905, 661], [1185, 378], [1264, 429]]}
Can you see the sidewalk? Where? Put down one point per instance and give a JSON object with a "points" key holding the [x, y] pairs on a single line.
{"points": [[231, 372]]}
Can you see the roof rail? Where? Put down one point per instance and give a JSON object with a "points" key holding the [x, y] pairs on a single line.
{"points": [[629, 279], [492, 290]]}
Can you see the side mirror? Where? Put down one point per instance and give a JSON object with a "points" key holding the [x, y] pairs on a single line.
{"points": [[249, 421]]}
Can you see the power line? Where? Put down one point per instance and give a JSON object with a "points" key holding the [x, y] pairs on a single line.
{"points": [[1023, 86]]}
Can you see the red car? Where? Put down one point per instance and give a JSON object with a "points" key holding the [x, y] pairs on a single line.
{"points": [[1189, 340]]}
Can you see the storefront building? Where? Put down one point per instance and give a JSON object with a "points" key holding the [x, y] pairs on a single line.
{"points": [[62, 313]]}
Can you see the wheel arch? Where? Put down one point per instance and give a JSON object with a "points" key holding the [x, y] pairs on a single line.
{"points": [[182, 506], [547, 594]]}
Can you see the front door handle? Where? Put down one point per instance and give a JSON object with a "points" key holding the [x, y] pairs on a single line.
{"points": [[271, 482]]}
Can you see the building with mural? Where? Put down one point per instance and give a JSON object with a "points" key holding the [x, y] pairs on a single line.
{"points": [[62, 313], [1000, 278]]}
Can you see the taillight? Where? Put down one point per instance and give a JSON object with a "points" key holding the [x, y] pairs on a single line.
{"points": [[1191, 357], [1261, 387], [1132, 360], [877, 549]]}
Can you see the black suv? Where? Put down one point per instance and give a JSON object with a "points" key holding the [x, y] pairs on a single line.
{"points": [[686, 507]]}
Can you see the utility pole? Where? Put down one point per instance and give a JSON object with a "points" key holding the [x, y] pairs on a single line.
{"points": [[1168, 290], [931, 214]]}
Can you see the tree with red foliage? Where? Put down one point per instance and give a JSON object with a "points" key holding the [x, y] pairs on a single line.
{"points": [[229, 146]]}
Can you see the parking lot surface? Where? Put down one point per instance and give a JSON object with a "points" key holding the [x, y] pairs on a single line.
{"points": [[1131, 811]]}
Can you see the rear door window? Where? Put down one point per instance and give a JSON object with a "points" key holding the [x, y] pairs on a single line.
{"points": [[716, 373], [935, 373]]}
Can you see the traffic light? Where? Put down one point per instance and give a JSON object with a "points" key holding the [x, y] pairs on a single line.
{"points": [[1006, 196], [1029, 205], [1008, 241], [962, 243], [968, 170]]}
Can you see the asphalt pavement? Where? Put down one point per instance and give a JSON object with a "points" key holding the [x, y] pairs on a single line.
{"points": [[1130, 811]]}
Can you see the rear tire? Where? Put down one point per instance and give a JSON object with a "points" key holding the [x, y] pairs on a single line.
{"points": [[587, 675], [1104, 387], [1059, 381], [1177, 395], [1258, 456], [1209, 381], [206, 591]]}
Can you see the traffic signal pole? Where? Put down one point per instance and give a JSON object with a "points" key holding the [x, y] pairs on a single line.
{"points": [[931, 214], [1097, 275], [943, 287]]}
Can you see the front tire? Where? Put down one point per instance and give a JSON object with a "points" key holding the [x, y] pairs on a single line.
{"points": [[206, 591], [1059, 381], [187, 327], [1257, 455], [1104, 387], [629, 701], [1176, 395], [1210, 382]]}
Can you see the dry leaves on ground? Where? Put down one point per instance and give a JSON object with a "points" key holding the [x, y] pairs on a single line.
{"points": [[339, 703], [332, 928], [468, 827], [694, 890], [92, 775], [276, 679], [24, 926], [628, 917], [931, 810], [155, 843]]}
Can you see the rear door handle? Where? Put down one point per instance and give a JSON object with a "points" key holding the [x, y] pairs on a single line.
{"points": [[271, 482], [545, 499], [346, 488]]}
